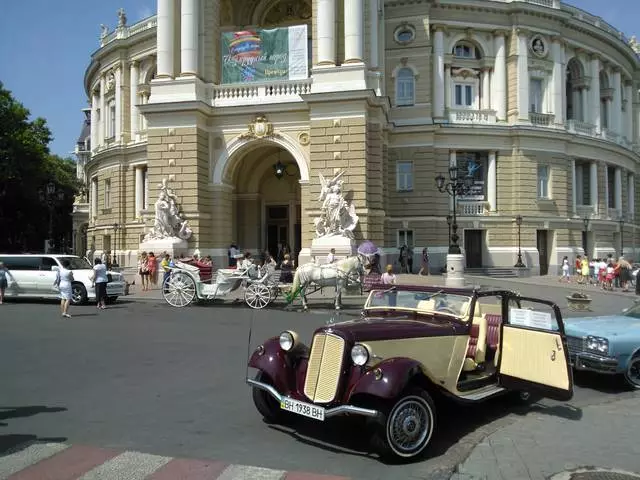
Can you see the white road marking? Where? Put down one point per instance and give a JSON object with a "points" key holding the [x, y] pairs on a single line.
{"points": [[127, 466], [242, 472], [33, 454]]}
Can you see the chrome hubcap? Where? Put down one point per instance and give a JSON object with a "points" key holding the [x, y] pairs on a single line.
{"points": [[410, 425], [633, 372]]}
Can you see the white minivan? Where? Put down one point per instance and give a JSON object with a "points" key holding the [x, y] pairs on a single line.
{"points": [[34, 275]]}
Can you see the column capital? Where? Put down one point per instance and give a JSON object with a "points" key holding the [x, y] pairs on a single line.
{"points": [[595, 56], [627, 82], [439, 27], [559, 39], [616, 69], [521, 31], [134, 63], [500, 33]]}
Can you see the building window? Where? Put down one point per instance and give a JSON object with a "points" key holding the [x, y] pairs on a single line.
{"points": [[405, 87], [474, 164], [536, 94], [463, 95], [107, 194], [404, 176], [405, 237], [463, 50], [611, 187], [543, 182], [404, 34], [111, 126]]}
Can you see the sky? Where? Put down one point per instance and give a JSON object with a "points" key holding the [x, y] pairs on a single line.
{"points": [[46, 45]]}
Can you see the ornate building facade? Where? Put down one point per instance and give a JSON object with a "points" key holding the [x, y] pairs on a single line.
{"points": [[242, 105]]}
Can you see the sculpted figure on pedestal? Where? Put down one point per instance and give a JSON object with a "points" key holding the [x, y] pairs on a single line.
{"points": [[337, 217], [168, 222]]}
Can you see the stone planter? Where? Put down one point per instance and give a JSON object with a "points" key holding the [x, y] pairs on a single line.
{"points": [[579, 302]]}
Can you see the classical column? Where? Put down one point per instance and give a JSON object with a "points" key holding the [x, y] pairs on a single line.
{"points": [[447, 87], [574, 190], [631, 195], [95, 127], [326, 31], [133, 100], [523, 76], [139, 190], [102, 124], [499, 92], [189, 37], [606, 189], [165, 38], [374, 52], [492, 191], [558, 80], [628, 118], [616, 110], [438, 73], [593, 186], [353, 31], [486, 89], [584, 97], [617, 177], [118, 101], [94, 198], [595, 93]]}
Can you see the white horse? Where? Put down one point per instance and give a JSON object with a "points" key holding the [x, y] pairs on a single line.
{"points": [[339, 275]]}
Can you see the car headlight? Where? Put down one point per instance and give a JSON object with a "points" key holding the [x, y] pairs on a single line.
{"points": [[287, 340], [598, 344], [359, 354]]}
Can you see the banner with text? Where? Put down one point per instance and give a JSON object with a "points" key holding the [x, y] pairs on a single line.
{"points": [[263, 55]]}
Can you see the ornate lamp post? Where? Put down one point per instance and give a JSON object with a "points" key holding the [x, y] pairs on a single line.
{"points": [[585, 245], [519, 263], [449, 220], [621, 222], [280, 170], [457, 185], [50, 196], [116, 227]]}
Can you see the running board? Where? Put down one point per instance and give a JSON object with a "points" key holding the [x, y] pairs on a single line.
{"points": [[481, 395]]}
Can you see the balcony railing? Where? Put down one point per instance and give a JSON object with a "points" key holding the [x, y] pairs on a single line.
{"points": [[610, 136], [256, 93], [129, 30], [541, 119], [614, 213], [585, 211], [582, 128], [473, 208], [472, 116]]}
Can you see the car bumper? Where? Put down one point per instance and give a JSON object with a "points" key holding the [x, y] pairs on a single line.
{"points": [[329, 412], [595, 363]]}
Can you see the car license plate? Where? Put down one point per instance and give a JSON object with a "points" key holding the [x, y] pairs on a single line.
{"points": [[302, 408]]}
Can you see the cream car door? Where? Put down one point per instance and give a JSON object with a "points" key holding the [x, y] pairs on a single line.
{"points": [[533, 352]]}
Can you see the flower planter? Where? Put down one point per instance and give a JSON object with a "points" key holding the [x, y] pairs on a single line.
{"points": [[579, 302]]}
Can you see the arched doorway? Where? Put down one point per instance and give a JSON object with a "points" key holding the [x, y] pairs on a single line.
{"points": [[266, 200]]}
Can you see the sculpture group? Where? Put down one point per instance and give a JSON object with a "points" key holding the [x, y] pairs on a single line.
{"points": [[337, 216], [168, 222]]}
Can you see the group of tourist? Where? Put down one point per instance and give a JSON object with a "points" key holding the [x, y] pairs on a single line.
{"points": [[606, 273]]}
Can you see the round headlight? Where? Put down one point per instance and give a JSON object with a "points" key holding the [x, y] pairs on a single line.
{"points": [[592, 343], [359, 355], [286, 341]]}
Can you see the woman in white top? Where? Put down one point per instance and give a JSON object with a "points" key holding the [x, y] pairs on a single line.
{"points": [[100, 279], [64, 281], [388, 278], [566, 274]]}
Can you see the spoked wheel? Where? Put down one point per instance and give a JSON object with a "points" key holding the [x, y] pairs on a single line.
{"points": [[179, 290], [632, 375], [257, 295]]}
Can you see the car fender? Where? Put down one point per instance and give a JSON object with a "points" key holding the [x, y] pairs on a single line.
{"points": [[396, 375], [273, 362]]}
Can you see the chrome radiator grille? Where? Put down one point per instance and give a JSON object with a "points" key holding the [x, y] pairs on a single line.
{"points": [[576, 345], [324, 368]]}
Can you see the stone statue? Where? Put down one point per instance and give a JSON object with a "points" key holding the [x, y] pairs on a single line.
{"points": [[633, 43], [168, 222], [337, 216], [122, 18], [104, 31]]}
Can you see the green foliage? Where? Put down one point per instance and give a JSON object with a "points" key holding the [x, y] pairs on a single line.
{"points": [[26, 167]]}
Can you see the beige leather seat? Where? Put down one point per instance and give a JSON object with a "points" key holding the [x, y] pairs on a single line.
{"points": [[477, 347], [426, 306]]}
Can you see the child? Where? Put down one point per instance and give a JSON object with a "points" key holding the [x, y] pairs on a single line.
{"points": [[388, 277]]}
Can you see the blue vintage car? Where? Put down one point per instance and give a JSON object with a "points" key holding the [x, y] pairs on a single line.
{"points": [[608, 344]]}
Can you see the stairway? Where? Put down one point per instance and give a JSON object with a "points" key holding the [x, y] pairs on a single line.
{"points": [[495, 272]]}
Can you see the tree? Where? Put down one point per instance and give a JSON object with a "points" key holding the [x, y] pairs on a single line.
{"points": [[26, 167]]}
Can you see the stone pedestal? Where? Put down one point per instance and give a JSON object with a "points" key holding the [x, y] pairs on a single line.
{"points": [[174, 246], [455, 271], [320, 248]]}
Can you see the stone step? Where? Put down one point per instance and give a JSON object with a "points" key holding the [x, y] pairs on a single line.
{"points": [[495, 272]]}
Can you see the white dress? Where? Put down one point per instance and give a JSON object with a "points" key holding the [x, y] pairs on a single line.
{"points": [[64, 278]]}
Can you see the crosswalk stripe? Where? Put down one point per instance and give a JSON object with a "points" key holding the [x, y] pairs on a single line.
{"points": [[17, 461], [183, 469], [242, 472], [127, 466]]}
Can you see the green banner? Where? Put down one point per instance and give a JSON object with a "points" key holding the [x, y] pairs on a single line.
{"points": [[262, 55]]}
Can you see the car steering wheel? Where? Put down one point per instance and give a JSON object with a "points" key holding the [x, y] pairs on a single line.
{"points": [[447, 310]]}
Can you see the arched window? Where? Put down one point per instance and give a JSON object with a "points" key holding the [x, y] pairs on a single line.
{"points": [[575, 90], [405, 87], [466, 50]]}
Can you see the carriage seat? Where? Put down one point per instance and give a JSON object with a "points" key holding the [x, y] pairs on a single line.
{"points": [[426, 306], [494, 321], [477, 347]]}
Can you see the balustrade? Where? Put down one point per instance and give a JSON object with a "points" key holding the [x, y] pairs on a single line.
{"points": [[471, 208], [472, 116], [541, 119], [250, 94], [585, 211], [582, 128]]}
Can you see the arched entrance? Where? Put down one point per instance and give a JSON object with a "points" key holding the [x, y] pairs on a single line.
{"points": [[266, 199]]}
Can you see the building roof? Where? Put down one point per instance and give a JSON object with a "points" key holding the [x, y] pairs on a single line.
{"points": [[85, 133]]}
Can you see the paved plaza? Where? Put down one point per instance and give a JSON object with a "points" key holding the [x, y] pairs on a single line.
{"points": [[143, 380]]}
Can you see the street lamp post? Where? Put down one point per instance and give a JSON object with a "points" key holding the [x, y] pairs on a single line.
{"points": [[449, 220], [457, 185], [50, 195], [621, 221], [585, 244], [114, 262], [519, 262]]}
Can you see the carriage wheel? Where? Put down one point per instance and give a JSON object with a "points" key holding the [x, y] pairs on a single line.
{"points": [[257, 295], [179, 290]]}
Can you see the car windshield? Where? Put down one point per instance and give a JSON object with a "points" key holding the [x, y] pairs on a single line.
{"points": [[633, 311], [421, 302], [78, 263]]}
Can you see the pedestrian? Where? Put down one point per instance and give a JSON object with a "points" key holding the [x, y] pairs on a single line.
{"points": [[143, 271], [566, 274], [331, 258], [100, 280], [63, 282], [5, 277], [152, 263], [287, 267], [388, 277], [165, 264], [424, 267], [409, 259]]}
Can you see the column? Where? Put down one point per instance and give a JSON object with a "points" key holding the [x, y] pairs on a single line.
{"points": [[374, 52], [631, 195], [618, 186], [189, 37], [492, 191], [584, 98], [102, 124], [628, 120], [574, 188], [616, 108], [579, 186], [558, 80], [438, 73], [165, 38], [484, 78], [499, 92], [133, 100], [595, 93], [353, 31], [326, 31], [447, 87], [118, 101], [139, 190], [523, 76], [95, 128], [94, 198], [453, 162], [593, 186]]}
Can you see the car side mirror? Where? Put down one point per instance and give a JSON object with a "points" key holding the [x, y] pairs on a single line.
{"points": [[55, 268]]}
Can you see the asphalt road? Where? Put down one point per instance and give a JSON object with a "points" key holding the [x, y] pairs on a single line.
{"points": [[144, 376]]}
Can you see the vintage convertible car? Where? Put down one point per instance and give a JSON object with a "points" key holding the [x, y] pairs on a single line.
{"points": [[409, 345], [609, 344]]}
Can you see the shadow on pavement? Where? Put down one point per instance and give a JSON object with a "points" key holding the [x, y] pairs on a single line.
{"points": [[21, 412], [602, 383], [14, 442]]}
